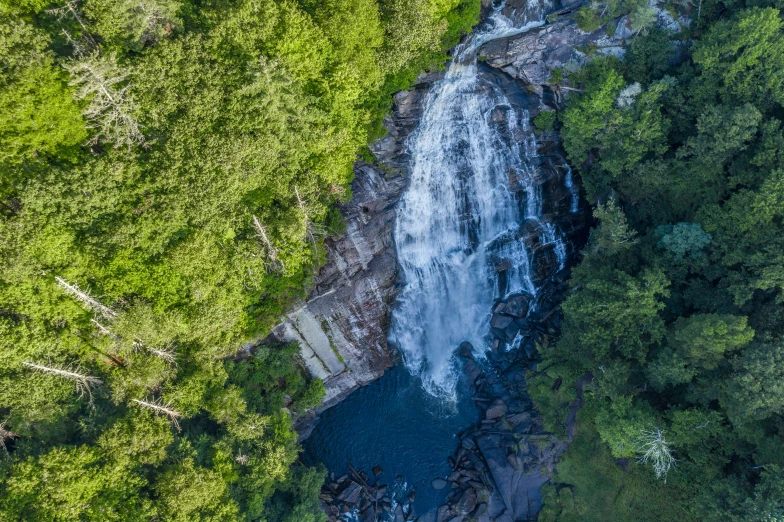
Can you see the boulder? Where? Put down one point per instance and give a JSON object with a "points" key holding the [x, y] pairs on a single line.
{"points": [[399, 514], [467, 502], [351, 494], [517, 306], [439, 483], [500, 321], [496, 410]]}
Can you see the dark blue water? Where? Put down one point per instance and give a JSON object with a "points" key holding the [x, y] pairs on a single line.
{"points": [[392, 422]]}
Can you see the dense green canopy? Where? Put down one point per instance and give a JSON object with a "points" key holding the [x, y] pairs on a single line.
{"points": [[169, 171], [677, 307]]}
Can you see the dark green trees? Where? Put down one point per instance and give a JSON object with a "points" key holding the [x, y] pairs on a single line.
{"points": [[676, 308]]}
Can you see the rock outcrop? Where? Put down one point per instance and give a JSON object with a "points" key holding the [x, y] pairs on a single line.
{"points": [[342, 326], [532, 56]]}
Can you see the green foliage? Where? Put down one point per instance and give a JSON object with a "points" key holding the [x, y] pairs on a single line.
{"points": [[590, 485], [682, 239], [676, 305], [167, 167], [133, 24], [648, 57], [614, 313], [38, 115], [587, 18], [743, 58], [545, 121], [620, 425], [613, 235], [617, 126]]}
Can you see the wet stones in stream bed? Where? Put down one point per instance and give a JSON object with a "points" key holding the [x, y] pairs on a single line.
{"points": [[367, 500], [502, 461]]}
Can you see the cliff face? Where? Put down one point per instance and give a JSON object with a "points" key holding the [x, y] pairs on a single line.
{"points": [[342, 326]]}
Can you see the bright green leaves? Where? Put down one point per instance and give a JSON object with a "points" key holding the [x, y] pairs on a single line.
{"points": [[73, 483], [613, 235], [621, 423], [617, 126], [229, 130], [138, 439], [38, 116], [697, 345], [745, 56], [585, 119], [722, 132], [704, 339], [756, 390], [748, 235], [190, 492], [133, 23]]}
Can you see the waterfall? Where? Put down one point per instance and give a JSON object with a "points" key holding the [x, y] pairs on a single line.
{"points": [[460, 214]]}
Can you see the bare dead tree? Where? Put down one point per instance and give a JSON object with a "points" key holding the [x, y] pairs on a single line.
{"points": [[84, 383], [83, 43], [161, 408], [241, 459], [105, 331], [5, 435], [655, 450], [167, 355], [85, 298], [111, 107], [271, 253], [70, 10], [313, 230]]}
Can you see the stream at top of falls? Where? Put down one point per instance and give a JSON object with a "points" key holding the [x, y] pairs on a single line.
{"points": [[474, 186]]}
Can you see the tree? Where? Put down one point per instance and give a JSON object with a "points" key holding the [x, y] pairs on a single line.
{"points": [[756, 389], [683, 239], [189, 492], [64, 484], [655, 451], [745, 57], [111, 107], [133, 23], [621, 423], [612, 312], [37, 114], [703, 340], [613, 234]]}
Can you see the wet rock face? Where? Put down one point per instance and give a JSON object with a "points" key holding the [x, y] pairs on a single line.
{"points": [[342, 326], [532, 55]]}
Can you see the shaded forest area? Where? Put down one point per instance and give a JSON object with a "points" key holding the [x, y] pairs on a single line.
{"points": [[169, 170], [677, 306]]}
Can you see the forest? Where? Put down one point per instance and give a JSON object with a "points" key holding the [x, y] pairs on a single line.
{"points": [[676, 309], [169, 170]]}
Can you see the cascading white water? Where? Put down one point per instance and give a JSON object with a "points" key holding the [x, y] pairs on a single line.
{"points": [[458, 204]]}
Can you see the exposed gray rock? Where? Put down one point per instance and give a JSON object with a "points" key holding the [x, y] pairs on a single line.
{"points": [[500, 321], [496, 410], [517, 306], [351, 494], [342, 326], [532, 55]]}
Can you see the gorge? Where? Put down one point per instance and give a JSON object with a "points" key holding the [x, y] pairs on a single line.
{"points": [[487, 221]]}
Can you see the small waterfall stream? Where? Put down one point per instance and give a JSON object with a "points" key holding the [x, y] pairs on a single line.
{"points": [[472, 184]]}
